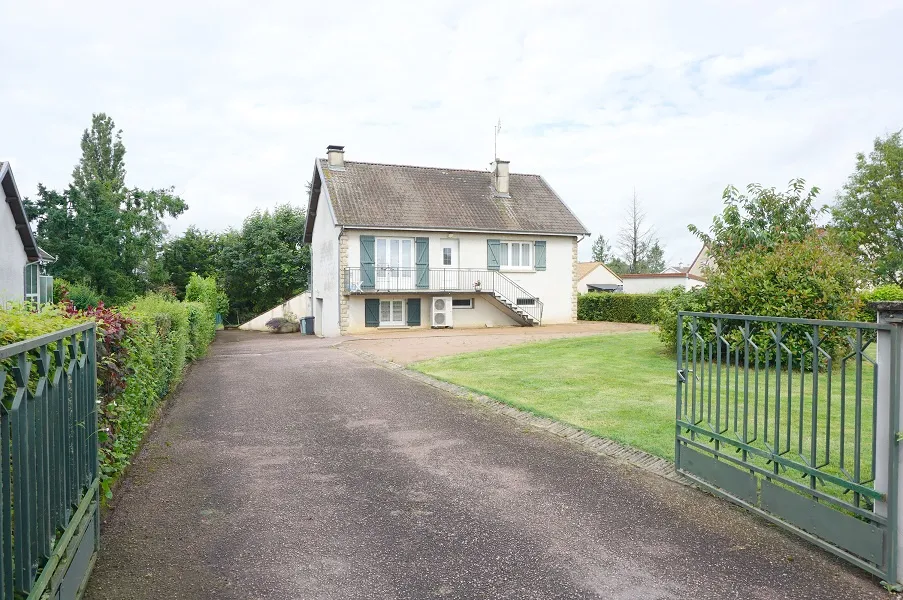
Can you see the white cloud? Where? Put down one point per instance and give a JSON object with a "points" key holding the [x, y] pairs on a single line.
{"points": [[676, 99]]}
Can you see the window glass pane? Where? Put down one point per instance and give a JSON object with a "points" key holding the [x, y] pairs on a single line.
{"points": [[446, 256], [515, 255], [397, 309], [381, 257], [393, 253], [385, 311], [406, 254], [503, 255], [525, 255]]}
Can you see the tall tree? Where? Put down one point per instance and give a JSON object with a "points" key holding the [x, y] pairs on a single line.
{"points": [[194, 251], [760, 219], [266, 262], [104, 234], [636, 241], [601, 250], [868, 213]]}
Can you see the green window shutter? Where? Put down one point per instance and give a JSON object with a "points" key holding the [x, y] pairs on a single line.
{"points": [[368, 264], [414, 312], [371, 312], [493, 250], [539, 256], [423, 268]]}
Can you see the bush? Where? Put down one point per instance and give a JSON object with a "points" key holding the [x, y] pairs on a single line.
{"points": [[80, 295], [620, 308], [206, 291], [884, 293], [671, 302]]}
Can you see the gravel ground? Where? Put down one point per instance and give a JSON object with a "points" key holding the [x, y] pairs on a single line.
{"points": [[407, 346], [285, 468]]}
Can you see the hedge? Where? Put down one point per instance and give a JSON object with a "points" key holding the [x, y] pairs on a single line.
{"points": [[143, 350], [620, 308]]}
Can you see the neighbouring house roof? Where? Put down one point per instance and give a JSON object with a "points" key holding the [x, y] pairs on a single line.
{"points": [[374, 195], [14, 201], [662, 276], [677, 269], [585, 268], [604, 287]]}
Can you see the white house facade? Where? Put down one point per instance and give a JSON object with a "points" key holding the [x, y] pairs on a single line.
{"points": [[400, 246], [19, 254], [647, 283], [596, 277]]}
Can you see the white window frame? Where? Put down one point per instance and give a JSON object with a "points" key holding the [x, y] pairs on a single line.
{"points": [[391, 322], [507, 255], [468, 307], [389, 276]]}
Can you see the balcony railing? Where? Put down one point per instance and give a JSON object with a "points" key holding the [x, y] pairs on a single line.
{"points": [[504, 289]]}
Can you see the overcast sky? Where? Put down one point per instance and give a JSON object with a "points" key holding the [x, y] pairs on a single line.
{"points": [[230, 102]]}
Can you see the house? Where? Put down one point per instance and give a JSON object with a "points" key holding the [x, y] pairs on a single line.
{"points": [[647, 283], [406, 246], [596, 277], [702, 261], [21, 261]]}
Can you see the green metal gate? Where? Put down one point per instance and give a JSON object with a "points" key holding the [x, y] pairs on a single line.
{"points": [[795, 420], [49, 526]]}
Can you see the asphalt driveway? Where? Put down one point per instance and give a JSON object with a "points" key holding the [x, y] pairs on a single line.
{"points": [[289, 469]]}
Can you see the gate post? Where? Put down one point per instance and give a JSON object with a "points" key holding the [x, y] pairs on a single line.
{"points": [[888, 450]]}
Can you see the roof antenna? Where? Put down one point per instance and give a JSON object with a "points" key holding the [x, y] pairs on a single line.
{"points": [[495, 147]]}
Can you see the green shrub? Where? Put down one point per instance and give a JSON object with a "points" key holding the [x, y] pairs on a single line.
{"points": [[81, 296], [883, 293], [675, 300], [620, 308], [206, 291]]}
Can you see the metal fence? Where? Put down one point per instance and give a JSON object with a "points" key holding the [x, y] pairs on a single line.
{"points": [[49, 484], [782, 416]]}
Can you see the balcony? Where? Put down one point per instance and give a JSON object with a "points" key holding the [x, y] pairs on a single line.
{"points": [[387, 280]]}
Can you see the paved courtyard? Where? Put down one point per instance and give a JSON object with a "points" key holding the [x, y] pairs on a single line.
{"points": [[285, 468]]}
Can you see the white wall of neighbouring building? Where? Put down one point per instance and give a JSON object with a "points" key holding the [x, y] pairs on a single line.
{"points": [[639, 284], [12, 259], [325, 270], [299, 306]]}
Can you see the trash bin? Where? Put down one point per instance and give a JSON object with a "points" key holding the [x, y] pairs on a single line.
{"points": [[307, 325]]}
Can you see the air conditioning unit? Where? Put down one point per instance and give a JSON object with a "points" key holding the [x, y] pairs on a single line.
{"points": [[442, 312]]}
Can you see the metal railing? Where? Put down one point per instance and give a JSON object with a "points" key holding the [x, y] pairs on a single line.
{"points": [[782, 416], [49, 464], [503, 288]]}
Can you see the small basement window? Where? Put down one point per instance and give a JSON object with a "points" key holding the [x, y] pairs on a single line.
{"points": [[462, 302], [526, 301]]}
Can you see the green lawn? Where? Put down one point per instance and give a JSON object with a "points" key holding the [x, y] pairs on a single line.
{"points": [[622, 387], [618, 386]]}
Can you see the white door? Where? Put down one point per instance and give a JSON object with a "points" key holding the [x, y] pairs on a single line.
{"points": [[391, 313], [451, 277], [394, 264]]}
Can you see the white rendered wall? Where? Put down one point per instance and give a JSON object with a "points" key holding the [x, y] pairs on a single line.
{"points": [[648, 285], [485, 312], [599, 276], [299, 306], [325, 266], [554, 286], [12, 259]]}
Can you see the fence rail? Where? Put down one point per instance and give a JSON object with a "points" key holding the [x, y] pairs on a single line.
{"points": [[390, 280], [49, 481], [781, 415]]}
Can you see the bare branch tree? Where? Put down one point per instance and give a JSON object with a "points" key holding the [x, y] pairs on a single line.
{"points": [[635, 240]]}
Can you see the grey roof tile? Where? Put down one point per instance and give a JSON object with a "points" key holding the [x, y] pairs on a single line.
{"points": [[392, 196]]}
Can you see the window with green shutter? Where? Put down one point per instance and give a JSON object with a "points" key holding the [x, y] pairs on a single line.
{"points": [[368, 262], [493, 251], [539, 256], [423, 263]]}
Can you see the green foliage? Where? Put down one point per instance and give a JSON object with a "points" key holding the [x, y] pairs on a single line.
{"points": [[19, 323], [671, 302], [869, 211], [81, 296], [760, 220], [619, 308], [266, 262], [105, 235], [195, 251], [884, 293], [601, 250]]}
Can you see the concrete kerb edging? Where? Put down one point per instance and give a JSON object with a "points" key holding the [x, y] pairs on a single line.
{"points": [[598, 445]]}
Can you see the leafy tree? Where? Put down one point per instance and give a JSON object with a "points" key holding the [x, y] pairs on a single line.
{"points": [[266, 262], [640, 250], [869, 210], [602, 250], [760, 219], [104, 234], [195, 251]]}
